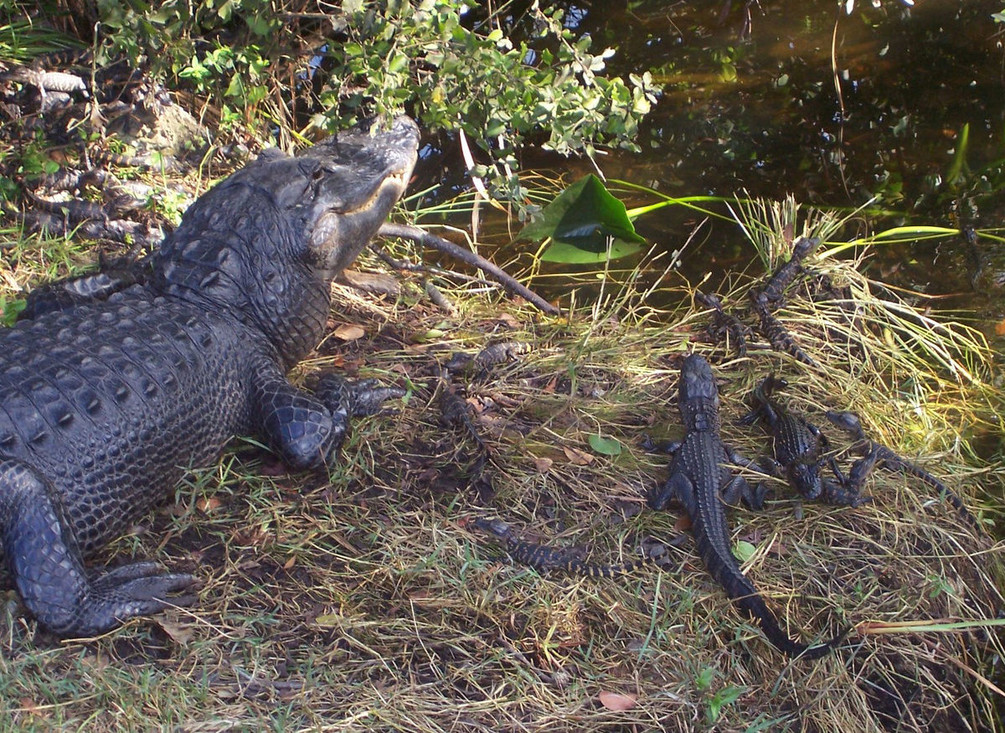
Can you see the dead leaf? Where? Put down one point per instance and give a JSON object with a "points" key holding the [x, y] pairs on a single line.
{"points": [[254, 537], [543, 464], [29, 706], [349, 332], [578, 457], [889, 270], [179, 634], [617, 701], [683, 523], [208, 504], [775, 546], [1000, 328], [549, 388], [509, 320]]}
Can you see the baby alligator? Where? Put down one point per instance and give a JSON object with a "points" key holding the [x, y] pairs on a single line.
{"points": [[698, 479], [765, 301], [798, 448], [878, 454], [543, 558]]}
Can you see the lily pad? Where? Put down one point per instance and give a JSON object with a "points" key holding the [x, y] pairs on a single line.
{"points": [[586, 224]]}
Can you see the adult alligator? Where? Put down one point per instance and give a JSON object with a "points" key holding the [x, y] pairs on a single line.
{"points": [[700, 481], [104, 399]]}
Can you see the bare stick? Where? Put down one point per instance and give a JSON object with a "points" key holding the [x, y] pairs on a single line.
{"points": [[466, 256]]}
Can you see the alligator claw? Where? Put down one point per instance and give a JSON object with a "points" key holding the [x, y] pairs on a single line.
{"points": [[669, 447], [357, 399], [142, 582], [126, 592], [659, 496], [755, 496]]}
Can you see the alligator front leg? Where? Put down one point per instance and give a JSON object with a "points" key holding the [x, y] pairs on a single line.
{"points": [[738, 488], [847, 490], [306, 430], [49, 573]]}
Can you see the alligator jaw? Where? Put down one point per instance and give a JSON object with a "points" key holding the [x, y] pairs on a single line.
{"points": [[346, 219]]}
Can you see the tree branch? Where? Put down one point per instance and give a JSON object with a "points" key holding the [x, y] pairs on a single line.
{"points": [[509, 283]]}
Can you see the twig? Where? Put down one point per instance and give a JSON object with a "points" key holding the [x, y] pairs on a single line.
{"points": [[449, 248], [404, 266], [439, 299]]}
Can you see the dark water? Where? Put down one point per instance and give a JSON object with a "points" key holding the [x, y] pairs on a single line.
{"points": [[750, 104], [910, 80]]}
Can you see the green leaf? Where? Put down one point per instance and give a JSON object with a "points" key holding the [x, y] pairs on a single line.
{"points": [[161, 16], [605, 446], [236, 87], [705, 678], [258, 25], [959, 164], [398, 63], [9, 310], [744, 550], [586, 224], [571, 254], [726, 696]]}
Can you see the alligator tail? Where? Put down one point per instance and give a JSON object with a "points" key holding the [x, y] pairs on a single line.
{"points": [[780, 338], [594, 570], [724, 568], [757, 608], [952, 497]]}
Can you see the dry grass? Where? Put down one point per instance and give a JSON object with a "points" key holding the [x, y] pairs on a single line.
{"points": [[363, 601]]}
